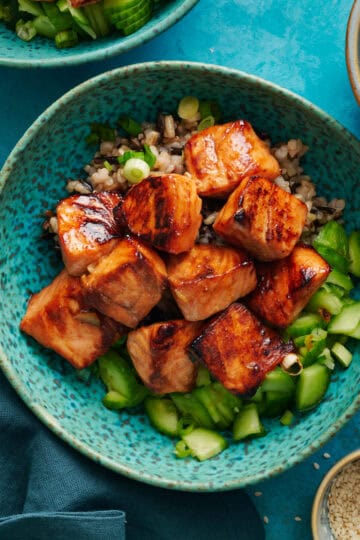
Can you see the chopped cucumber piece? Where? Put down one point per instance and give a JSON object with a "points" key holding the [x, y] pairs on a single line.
{"points": [[67, 38], [342, 354], [305, 324], [114, 400], [163, 415], [287, 418], [33, 8], [25, 30], [204, 443], [354, 253], [346, 321], [191, 407], [311, 387], [278, 381], [97, 19], [323, 299], [44, 27], [275, 403], [355, 333], [341, 280], [333, 235], [247, 423], [204, 396], [335, 260]]}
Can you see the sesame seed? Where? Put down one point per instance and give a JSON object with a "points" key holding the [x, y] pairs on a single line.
{"points": [[297, 518], [316, 466], [258, 493], [266, 519], [326, 455], [343, 502]]}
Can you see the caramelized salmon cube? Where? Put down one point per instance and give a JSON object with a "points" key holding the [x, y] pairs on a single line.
{"points": [[239, 350], [262, 218], [209, 278], [286, 286], [219, 157], [127, 283], [159, 354], [86, 229], [164, 211], [58, 319]]}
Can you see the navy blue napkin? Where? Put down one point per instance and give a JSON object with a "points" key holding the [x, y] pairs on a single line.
{"points": [[49, 491]]}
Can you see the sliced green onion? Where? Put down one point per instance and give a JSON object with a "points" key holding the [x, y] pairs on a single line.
{"points": [[210, 108], [104, 131], [326, 359], [185, 425], [130, 126], [107, 165], [188, 107], [149, 156], [287, 418], [25, 30], [207, 122], [136, 170], [354, 253], [67, 38], [129, 155], [182, 450], [34, 8]]}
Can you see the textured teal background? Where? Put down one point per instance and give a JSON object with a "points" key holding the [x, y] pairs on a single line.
{"points": [[299, 45]]}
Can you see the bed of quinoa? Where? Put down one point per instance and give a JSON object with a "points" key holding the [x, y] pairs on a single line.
{"points": [[167, 138]]}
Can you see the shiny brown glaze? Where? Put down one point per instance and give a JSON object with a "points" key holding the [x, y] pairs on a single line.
{"points": [[58, 318], [86, 228], [239, 350], [209, 278], [127, 283], [219, 157], [262, 218], [164, 211], [286, 286], [159, 354]]}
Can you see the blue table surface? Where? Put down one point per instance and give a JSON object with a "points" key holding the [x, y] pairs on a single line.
{"points": [[298, 45]]}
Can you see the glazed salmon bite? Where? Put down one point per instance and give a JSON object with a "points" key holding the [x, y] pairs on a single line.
{"points": [[208, 278], [262, 218], [219, 157]]}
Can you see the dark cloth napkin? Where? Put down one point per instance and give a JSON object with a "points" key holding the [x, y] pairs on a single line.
{"points": [[49, 491]]}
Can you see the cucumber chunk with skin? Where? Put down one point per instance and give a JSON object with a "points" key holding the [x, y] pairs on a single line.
{"points": [[346, 321], [163, 415], [204, 443], [191, 407], [311, 387], [354, 253], [304, 325], [247, 423], [342, 354]]}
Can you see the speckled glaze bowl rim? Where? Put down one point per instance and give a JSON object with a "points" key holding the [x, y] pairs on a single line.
{"points": [[5, 362], [122, 44], [352, 49], [326, 481]]}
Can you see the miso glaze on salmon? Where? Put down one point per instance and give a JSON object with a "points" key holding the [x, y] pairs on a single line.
{"points": [[286, 286], [208, 278], [127, 283], [262, 218], [58, 318], [86, 229], [219, 157], [163, 211], [159, 354], [239, 350]]}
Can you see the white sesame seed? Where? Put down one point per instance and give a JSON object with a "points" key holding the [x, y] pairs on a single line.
{"points": [[343, 503], [297, 518], [266, 519], [258, 493], [326, 455], [316, 466]]}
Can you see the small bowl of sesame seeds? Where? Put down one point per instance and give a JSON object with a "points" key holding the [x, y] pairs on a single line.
{"points": [[336, 507]]}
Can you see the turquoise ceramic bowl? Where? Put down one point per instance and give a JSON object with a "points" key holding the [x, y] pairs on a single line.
{"points": [[41, 52], [32, 181]]}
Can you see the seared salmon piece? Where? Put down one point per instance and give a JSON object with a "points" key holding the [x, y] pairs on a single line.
{"points": [[86, 229], [159, 354], [286, 286], [262, 218], [58, 319], [239, 350], [164, 211], [209, 278], [127, 283], [219, 157]]}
